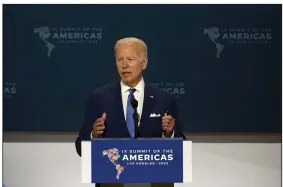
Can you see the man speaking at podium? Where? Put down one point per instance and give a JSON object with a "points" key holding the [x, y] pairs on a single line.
{"points": [[130, 108], [110, 109]]}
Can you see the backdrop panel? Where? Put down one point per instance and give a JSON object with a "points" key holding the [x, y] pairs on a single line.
{"points": [[221, 62]]}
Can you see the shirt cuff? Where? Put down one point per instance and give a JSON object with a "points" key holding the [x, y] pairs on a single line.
{"points": [[168, 137]]}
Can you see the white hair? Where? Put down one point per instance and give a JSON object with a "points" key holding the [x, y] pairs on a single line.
{"points": [[133, 40]]}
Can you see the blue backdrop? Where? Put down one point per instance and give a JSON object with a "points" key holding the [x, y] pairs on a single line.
{"points": [[221, 62]]}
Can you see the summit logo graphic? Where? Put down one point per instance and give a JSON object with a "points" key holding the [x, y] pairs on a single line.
{"points": [[222, 36], [55, 36]]}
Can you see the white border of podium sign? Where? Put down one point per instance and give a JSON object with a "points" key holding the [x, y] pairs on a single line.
{"points": [[86, 162]]}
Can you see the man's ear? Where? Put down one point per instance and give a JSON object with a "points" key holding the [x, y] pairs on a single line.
{"points": [[144, 63]]}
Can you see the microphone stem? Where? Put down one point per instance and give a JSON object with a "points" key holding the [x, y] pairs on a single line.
{"points": [[136, 120]]}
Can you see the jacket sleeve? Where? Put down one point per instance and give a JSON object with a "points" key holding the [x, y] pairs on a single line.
{"points": [[90, 115], [174, 112]]}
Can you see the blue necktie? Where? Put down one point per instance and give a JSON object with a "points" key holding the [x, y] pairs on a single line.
{"points": [[130, 112]]}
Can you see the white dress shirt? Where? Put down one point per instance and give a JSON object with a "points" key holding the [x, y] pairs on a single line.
{"points": [[139, 96]]}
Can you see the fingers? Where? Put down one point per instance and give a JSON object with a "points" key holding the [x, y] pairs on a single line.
{"points": [[167, 125], [168, 129], [167, 117], [100, 121], [99, 125], [168, 122], [165, 120], [99, 128], [103, 117], [99, 132]]}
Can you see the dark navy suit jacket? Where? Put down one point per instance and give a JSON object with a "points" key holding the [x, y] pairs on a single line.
{"points": [[108, 99]]}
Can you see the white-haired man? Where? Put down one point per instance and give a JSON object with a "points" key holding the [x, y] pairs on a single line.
{"points": [[109, 112], [110, 104]]}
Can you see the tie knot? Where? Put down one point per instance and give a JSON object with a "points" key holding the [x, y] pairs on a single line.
{"points": [[132, 90]]}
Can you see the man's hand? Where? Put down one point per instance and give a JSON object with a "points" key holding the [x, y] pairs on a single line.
{"points": [[168, 124], [99, 126]]}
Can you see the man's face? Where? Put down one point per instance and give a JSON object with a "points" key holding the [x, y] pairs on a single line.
{"points": [[130, 63]]}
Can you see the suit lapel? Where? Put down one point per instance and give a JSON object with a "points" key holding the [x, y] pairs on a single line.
{"points": [[118, 104], [116, 108], [148, 104]]}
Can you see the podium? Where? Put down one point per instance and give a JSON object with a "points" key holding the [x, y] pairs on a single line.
{"points": [[157, 161]]}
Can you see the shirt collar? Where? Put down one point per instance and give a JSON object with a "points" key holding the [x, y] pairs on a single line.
{"points": [[139, 87]]}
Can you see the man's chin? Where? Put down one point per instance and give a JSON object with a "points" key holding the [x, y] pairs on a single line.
{"points": [[127, 81]]}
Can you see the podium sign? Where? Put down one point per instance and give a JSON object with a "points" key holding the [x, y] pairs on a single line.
{"points": [[136, 161]]}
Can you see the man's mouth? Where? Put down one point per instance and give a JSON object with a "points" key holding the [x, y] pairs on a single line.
{"points": [[126, 73]]}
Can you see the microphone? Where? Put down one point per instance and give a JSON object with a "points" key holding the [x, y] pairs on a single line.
{"points": [[134, 103], [136, 117]]}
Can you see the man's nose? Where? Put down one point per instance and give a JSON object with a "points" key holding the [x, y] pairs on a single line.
{"points": [[124, 64]]}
